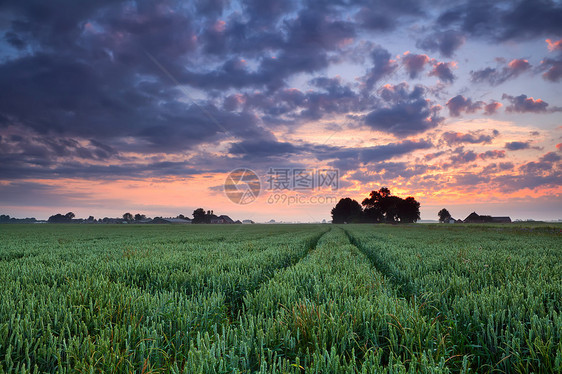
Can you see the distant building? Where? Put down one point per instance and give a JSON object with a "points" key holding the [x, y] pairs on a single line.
{"points": [[223, 219], [501, 219], [476, 218], [175, 221]]}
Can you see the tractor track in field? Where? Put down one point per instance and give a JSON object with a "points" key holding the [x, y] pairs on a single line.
{"points": [[234, 307], [401, 283]]}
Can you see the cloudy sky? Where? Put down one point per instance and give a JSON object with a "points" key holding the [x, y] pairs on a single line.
{"points": [[115, 106]]}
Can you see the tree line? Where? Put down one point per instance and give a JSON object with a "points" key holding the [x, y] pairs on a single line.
{"points": [[380, 206], [200, 215]]}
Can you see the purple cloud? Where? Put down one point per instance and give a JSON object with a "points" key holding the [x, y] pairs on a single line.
{"points": [[524, 104], [414, 64], [516, 146], [496, 76], [442, 70], [459, 104], [445, 42], [407, 113]]}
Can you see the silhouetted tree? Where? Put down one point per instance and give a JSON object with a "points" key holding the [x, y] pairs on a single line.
{"points": [[199, 215], [59, 218], [139, 217], [91, 218], [181, 216], [381, 206], [4, 218], [346, 210], [373, 215], [408, 210], [444, 215], [128, 217]]}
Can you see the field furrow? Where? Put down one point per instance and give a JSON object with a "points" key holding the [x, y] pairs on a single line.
{"points": [[500, 297], [280, 299]]}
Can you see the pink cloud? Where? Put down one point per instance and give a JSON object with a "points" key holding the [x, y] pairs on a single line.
{"points": [[492, 154], [554, 45], [442, 70], [414, 63], [492, 108]]}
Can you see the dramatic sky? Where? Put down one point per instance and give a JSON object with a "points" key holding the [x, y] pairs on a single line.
{"points": [[115, 106]]}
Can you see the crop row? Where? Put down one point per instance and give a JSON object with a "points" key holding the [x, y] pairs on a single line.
{"points": [[131, 302], [499, 292]]}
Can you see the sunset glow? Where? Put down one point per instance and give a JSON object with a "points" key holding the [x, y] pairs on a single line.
{"points": [[118, 107]]}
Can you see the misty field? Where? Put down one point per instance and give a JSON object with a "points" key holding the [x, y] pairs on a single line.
{"points": [[280, 298]]}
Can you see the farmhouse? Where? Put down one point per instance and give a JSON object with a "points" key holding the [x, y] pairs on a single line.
{"points": [[476, 218], [222, 219]]}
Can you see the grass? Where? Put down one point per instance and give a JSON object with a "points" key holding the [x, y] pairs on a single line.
{"points": [[281, 298]]}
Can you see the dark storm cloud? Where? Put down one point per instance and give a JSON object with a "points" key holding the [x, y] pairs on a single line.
{"points": [[496, 76], [52, 95], [442, 70], [44, 150], [524, 104], [386, 15], [516, 146], [85, 81], [14, 40], [328, 96], [504, 20], [351, 158], [267, 11], [211, 7], [332, 97], [444, 42], [405, 113], [23, 168], [99, 84], [388, 151], [263, 148], [310, 36]]}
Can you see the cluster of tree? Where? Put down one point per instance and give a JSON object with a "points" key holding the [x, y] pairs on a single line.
{"points": [[202, 216], [59, 218], [4, 218], [444, 215], [381, 206], [137, 217]]}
